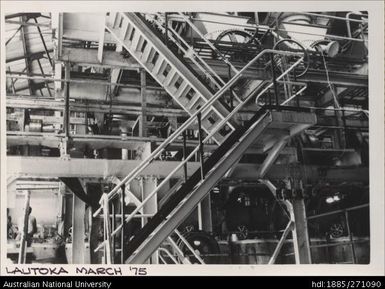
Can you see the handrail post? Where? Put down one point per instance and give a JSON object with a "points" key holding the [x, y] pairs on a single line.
{"points": [[184, 154], [199, 116], [274, 80], [107, 230], [122, 233], [200, 138]]}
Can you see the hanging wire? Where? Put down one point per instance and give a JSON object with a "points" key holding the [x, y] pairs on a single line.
{"points": [[329, 83]]}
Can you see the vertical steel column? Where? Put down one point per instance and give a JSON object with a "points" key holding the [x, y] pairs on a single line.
{"points": [[78, 230], [300, 233]]}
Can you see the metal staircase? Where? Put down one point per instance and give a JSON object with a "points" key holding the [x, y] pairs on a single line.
{"points": [[179, 82], [210, 115]]}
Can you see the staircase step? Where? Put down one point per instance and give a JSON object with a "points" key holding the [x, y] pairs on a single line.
{"points": [[160, 62], [124, 28]]}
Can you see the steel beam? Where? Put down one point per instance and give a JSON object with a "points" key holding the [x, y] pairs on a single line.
{"points": [[98, 168], [93, 168], [118, 108], [89, 57]]}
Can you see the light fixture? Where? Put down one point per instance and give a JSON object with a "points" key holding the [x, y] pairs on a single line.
{"points": [[333, 199]]}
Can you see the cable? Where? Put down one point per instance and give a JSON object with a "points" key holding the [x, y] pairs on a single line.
{"points": [[329, 83]]}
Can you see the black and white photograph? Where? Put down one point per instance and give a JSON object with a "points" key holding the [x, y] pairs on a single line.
{"points": [[190, 137]]}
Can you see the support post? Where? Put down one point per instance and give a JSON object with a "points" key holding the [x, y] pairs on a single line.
{"points": [[101, 42], [200, 139], [151, 207], [78, 230], [300, 233]]}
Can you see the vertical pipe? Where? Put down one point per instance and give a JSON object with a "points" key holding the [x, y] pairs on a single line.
{"points": [[23, 242], [350, 237], [66, 116], [122, 251]]}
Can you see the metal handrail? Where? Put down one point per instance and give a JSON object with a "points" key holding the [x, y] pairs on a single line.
{"points": [[131, 176], [151, 195], [168, 254], [180, 236], [178, 251]]}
